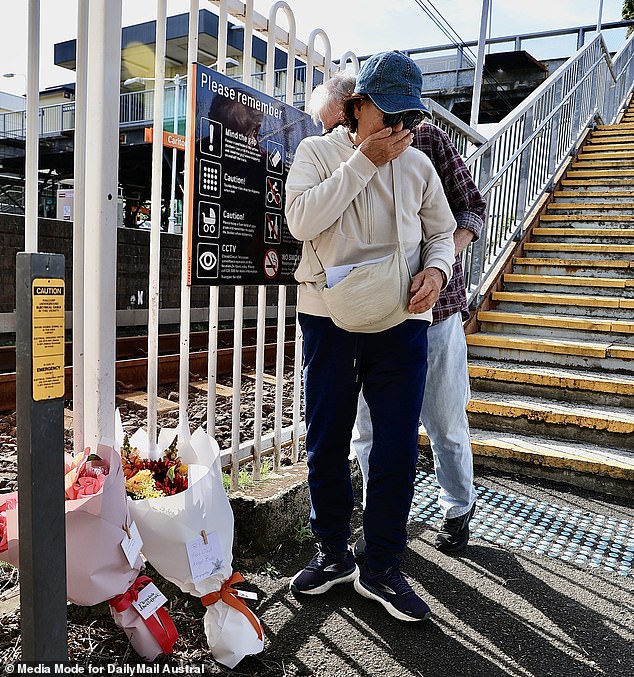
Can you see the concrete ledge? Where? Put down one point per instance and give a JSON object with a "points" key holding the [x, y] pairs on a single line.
{"points": [[268, 513]]}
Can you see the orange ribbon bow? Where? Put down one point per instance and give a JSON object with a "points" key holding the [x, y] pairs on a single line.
{"points": [[230, 596], [159, 623]]}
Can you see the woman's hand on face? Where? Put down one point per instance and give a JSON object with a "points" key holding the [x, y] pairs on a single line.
{"points": [[425, 290], [386, 145]]}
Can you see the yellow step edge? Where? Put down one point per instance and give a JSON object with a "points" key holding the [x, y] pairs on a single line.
{"points": [[604, 164], [598, 146], [578, 173], [606, 136], [563, 194], [578, 348], [607, 152], [582, 247], [623, 218], [550, 458], [585, 232], [591, 205], [572, 263], [589, 383], [590, 182], [571, 280], [621, 351], [559, 299], [564, 322], [509, 410]]}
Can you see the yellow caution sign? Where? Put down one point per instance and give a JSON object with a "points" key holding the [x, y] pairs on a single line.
{"points": [[48, 338]]}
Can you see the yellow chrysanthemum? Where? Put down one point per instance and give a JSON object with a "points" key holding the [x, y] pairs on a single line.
{"points": [[141, 485]]}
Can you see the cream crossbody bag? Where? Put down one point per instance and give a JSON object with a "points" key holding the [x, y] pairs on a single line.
{"points": [[373, 297]]}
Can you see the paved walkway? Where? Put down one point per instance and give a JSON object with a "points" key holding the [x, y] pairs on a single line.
{"points": [[545, 588]]}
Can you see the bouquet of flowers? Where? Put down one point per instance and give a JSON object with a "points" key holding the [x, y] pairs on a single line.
{"points": [[97, 517], [9, 550], [103, 551], [148, 478], [188, 536]]}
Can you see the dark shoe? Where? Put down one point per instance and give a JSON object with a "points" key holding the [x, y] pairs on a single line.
{"points": [[390, 589], [453, 535], [324, 570], [358, 549]]}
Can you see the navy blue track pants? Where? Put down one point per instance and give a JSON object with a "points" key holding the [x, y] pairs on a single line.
{"points": [[391, 366]]}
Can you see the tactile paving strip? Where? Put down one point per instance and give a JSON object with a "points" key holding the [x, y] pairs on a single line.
{"points": [[586, 539]]}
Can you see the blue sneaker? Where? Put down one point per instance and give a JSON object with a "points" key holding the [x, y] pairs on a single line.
{"points": [[390, 589], [324, 570]]}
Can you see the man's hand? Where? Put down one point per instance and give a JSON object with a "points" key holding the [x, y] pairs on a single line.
{"points": [[386, 145], [425, 290]]}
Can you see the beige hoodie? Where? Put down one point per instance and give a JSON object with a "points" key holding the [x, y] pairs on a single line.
{"points": [[336, 197]]}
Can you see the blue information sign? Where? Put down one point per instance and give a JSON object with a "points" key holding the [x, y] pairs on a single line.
{"points": [[244, 143]]}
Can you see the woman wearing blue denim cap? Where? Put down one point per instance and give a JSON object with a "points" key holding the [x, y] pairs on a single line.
{"points": [[346, 193]]}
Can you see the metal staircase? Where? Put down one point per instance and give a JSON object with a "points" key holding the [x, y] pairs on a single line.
{"points": [[552, 367]]}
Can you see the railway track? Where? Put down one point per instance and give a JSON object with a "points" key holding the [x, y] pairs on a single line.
{"points": [[131, 364]]}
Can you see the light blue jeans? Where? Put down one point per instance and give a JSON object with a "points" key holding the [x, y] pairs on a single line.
{"points": [[443, 415]]}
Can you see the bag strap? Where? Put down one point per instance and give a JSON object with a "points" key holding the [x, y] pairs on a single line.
{"points": [[316, 267], [397, 189]]}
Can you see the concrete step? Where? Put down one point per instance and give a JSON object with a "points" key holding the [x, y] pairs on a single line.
{"points": [[579, 196], [568, 304], [617, 252], [553, 265], [602, 152], [558, 326], [552, 382], [604, 184], [608, 356], [618, 127], [584, 235], [609, 137], [589, 207], [603, 163], [603, 174], [610, 426], [598, 462], [591, 220], [601, 145], [570, 284]]}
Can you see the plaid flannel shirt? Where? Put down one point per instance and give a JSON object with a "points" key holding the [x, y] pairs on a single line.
{"points": [[466, 203]]}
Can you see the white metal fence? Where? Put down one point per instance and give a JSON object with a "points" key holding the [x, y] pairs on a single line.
{"points": [[513, 169]]}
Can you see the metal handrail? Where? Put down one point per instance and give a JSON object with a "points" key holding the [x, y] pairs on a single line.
{"points": [[516, 166]]}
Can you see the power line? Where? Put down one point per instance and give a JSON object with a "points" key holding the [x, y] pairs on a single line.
{"points": [[449, 31]]}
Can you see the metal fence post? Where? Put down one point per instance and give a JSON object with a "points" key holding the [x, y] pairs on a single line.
{"points": [[554, 129], [40, 414], [479, 248]]}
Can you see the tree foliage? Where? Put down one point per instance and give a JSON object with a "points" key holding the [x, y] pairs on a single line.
{"points": [[628, 13]]}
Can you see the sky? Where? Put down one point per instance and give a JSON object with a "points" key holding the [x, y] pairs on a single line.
{"points": [[362, 26]]}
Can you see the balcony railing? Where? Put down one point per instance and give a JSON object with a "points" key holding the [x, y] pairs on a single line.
{"points": [[135, 108]]}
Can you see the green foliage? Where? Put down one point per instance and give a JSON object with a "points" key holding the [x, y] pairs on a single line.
{"points": [[269, 569], [245, 475], [302, 532], [627, 13]]}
